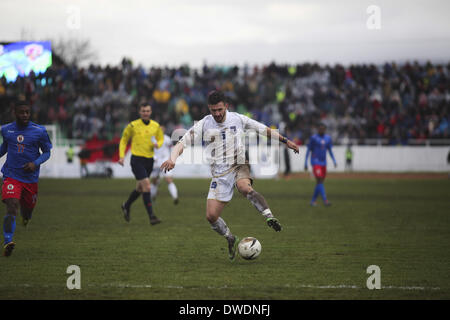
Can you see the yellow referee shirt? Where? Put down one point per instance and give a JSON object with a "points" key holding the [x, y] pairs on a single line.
{"points": [[141, 138]]}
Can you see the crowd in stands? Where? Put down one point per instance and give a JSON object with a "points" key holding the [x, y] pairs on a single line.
{"points": [[393, 102]]}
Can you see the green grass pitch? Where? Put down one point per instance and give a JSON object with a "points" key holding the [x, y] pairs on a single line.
{"points": [[402, 226]]}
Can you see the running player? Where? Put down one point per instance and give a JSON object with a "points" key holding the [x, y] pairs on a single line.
{"points": [[22, 142], [162, 154], [220, 128], [140, 132], [318, 146]]}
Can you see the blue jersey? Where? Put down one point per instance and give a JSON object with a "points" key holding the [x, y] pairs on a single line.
{"points": [[22, 144], [318, 146]]}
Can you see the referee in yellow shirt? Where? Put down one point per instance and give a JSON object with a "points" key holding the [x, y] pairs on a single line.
{"points": [[141, 133]]}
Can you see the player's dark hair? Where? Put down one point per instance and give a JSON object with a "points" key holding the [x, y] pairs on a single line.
{"points": [[21, 103], [144, 104], [214, 97]]}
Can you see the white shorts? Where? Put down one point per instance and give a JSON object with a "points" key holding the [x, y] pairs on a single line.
{"points": [[222, 188], [158, 173]]}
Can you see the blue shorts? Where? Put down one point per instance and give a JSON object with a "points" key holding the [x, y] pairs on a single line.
{"points": [[141, 166]]}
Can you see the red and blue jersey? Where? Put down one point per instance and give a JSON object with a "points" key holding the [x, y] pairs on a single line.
{"points": [[318, 146], [23, 145]]}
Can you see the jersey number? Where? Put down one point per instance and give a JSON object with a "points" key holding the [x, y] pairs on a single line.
{"points": [[224, 132], [20, 148]]}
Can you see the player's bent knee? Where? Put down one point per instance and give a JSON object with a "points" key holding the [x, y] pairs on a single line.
{"points": [[245, 190], [213, 210], [212, 214], [211, 218]]}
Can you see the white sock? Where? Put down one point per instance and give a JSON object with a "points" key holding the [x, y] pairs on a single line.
{"points": [[221, 228], [153, 190], [173, 190], [267, 213]]}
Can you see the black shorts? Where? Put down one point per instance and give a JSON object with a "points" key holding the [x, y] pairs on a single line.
{"points": [[141, 166]]}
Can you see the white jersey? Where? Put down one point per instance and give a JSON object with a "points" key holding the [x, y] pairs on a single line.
{"points": [[224, 141], [163, 153]]}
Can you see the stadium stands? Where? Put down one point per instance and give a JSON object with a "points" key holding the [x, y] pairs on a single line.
{"points": [[396, 103]]}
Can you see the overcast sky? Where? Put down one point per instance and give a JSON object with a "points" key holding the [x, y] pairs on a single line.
{"points": [[236, 32]]}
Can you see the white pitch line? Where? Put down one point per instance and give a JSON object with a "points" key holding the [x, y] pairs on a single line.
{"points": [[344, 286], [341, 286], [149, 286], [410, 288]]}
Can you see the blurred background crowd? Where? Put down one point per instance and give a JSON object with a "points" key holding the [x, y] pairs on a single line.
{"points": [[395, 103]]}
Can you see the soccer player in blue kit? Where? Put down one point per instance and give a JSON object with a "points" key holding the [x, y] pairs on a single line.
{"points": [[22, 140], [318, 146]]}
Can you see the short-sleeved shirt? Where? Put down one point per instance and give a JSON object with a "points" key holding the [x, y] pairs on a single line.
{"points": [[141, 135]]}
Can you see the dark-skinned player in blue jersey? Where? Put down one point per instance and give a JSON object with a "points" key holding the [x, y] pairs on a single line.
{"points": [[318, 146], [23, 142]]}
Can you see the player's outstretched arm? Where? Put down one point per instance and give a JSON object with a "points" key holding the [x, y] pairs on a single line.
{"points": [[290, 144], [169, 164]]}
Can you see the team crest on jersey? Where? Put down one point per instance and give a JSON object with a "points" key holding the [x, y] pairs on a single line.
{"points": [[322, 141], [10, 187], [20, 138]]}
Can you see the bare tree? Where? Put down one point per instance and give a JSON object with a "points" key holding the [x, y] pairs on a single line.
{"points": [[74, 51]]}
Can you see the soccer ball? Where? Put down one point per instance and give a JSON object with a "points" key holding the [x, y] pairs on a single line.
{"points": [[249, 248]]}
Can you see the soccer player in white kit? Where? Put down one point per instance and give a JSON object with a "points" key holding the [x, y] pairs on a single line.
{"points": [[162, 154], [223, 128]]}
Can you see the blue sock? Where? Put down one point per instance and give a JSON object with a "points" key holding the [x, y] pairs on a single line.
{"points": [[9, 226], [322, 192], [316, 193]]}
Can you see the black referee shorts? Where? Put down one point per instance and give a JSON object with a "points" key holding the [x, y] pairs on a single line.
{"points": [[141, 166]]}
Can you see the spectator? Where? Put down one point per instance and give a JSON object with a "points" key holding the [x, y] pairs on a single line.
{"points": [[391, 102]]}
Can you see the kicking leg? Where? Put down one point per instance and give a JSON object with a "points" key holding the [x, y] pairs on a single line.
{"points": [[245, 187]]}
